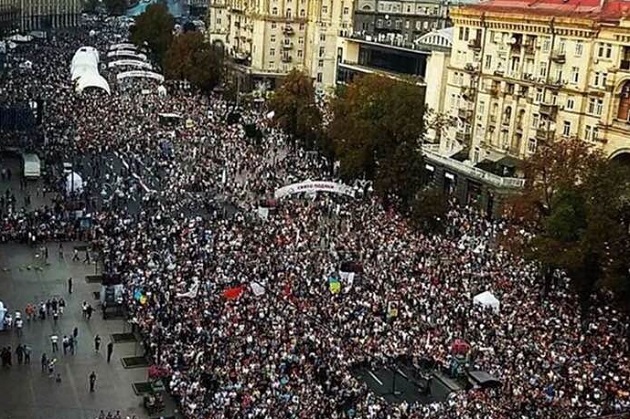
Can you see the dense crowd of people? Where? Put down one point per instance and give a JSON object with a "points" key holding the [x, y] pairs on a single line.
{"points": [[235, 303]]}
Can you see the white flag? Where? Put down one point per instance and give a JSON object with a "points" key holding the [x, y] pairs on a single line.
{"points": [[257, 289], [192, 292]]}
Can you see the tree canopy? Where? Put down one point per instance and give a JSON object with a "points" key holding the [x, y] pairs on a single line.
{"points": [[376, 130], [295, 110], [113, 7], [575, 203], [154, 28], [190, 58]]}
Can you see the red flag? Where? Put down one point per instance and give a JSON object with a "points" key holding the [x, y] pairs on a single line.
{"points": [[233, 293]]}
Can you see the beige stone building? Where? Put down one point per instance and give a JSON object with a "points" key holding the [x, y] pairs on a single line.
{"points": [[269, 38], [45, 14], [523, 76]]}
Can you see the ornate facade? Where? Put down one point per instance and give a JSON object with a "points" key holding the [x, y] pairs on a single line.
{"points": [[523, 74]]}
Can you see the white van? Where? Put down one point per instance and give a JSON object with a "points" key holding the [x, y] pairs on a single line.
{"points": [[32, 166]]}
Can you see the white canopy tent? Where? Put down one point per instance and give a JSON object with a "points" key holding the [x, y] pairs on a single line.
{"points": [[126, 53], [487, 300], [140, 74], [3, 312], [74, 183], [122, 45], [130, 63], [84, 70]]}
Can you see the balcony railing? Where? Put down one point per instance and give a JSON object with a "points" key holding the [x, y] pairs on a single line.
{"points": [[474, 43], [544, 134], [474, 172], [549, 110], [464, 114], [288, 30], [287, 45], [287, 59], [463, 137], [384, 40], [559, 57]]}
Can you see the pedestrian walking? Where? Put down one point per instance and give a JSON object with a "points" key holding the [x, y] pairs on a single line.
{"points": [[97, 343], [87, 256], [75, 255], [92, 381], [61, 251], [110, 350], [19, 353], [27, 353], [69, 285], [54, 342], [44, 362]]}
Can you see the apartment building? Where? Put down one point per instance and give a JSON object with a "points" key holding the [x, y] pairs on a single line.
{"points": [[9, 19], [269, 38], [518, 80], [44, 14], [523, 74]]}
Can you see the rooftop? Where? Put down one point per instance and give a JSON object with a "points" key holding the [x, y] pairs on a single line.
{"points": [[600, 10]]}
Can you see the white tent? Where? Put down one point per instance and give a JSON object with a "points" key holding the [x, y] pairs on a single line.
{"points": [[127, 53], [124, 45], [74, 183], [140, 74], [161, 91], [130, 63], [487, 300], [84, 70]]}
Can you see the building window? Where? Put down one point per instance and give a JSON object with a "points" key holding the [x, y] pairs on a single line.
{"points": [[604, 51], [418, 25], [322, 50], [274, 11], [570, 103], [588, 133], [300, 53], [379, 23], [546, 45], [272, 38], [575, 74], [539, 96], [324, 10], [535, 121], [320, 63], [302, 13], [288, 14], [273, 25], [302, 26], [566, 128], [425, 25], [320, 77], [301, 40], [346, 10], [407, 24], [543, 69], [531, 145], [322, 37], [488, 62], [579, 48], [272, 52]]}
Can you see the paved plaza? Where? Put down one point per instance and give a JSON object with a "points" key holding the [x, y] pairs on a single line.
{"points": [[25, 277]]}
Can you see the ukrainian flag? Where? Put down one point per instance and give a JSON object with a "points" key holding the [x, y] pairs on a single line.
{"points": [[334, 285]]}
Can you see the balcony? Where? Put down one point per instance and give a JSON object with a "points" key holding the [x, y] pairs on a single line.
{"points": [[463, 137], [549, 111], [470, 67], [474, 44], [558, 57], [468, 93], [494, 91], [545, 134], [287, 45], [465, 114], [473, 172], [287, 59], [529, 48], [288, 30]]}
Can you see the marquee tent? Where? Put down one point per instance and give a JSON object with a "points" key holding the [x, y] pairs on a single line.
{"points": [[140, 74], [487, 300], [126, 53], [123, 45], [84, 70], [130, 63], [74, 183]]}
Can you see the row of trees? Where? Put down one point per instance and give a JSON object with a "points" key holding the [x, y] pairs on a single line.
{"points": [[576, 205], [365, 136], [184, 56]]}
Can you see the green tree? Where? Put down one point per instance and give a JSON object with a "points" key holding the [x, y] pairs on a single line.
{"points": [[190, 58], [377, 124], [154, 28], [428, 210], [113, 7], [575, 202], [295, 110], [90, 6]]}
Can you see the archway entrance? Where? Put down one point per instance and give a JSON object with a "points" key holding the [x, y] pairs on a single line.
{"points": [[622, 158]]}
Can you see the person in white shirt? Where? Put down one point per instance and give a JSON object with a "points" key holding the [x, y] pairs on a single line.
{"points": [[54, 341]]}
